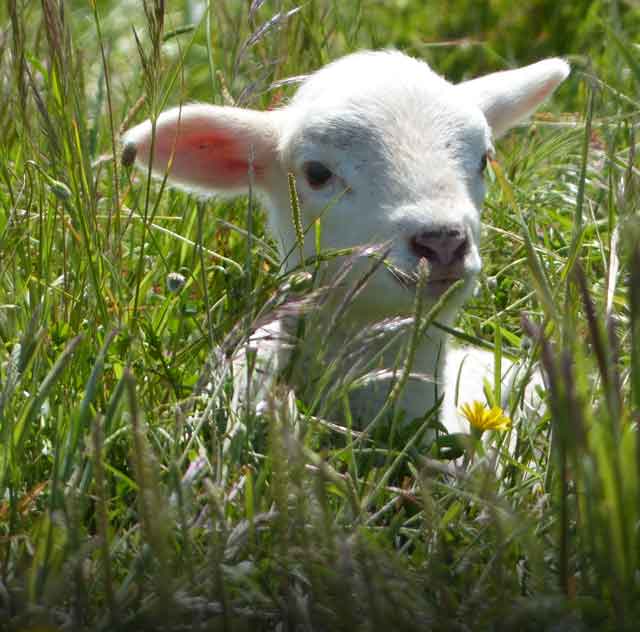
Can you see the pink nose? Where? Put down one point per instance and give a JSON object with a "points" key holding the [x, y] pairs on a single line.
{"points": [[445, 246]]}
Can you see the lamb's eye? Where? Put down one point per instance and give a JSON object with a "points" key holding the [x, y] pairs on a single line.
{"points": [[483, 162], [317, 174]]}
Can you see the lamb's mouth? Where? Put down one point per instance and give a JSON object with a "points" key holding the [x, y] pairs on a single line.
{"points": [[434, 287], [437, 287]]}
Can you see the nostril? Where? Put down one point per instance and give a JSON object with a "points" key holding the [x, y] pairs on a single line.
{"points": [[461, 250], [421, 251], [444, 246]]}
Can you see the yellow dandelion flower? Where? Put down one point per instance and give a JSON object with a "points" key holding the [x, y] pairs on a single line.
{"points": [[483, 418]]}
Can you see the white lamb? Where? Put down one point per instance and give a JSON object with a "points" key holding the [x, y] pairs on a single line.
{"points": [[383, 150]]}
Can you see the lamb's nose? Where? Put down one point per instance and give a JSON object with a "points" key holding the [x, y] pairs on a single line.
{"points": [[444, 246]]}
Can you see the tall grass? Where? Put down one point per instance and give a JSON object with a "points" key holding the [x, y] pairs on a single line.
{"points": [[131, 497]]}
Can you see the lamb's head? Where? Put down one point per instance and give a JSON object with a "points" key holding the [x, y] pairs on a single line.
{"points": [[383, 151]]}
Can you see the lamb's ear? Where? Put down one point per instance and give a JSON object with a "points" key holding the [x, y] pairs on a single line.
{"points": [[508, 97], [206, 148]]}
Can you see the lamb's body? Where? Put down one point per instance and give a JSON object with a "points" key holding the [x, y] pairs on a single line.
{"points": [[383, 150], [440, 370]]}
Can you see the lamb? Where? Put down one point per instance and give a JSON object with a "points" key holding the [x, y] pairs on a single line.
{"points": [[383, 150]]}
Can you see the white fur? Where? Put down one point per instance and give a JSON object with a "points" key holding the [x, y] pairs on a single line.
{"points": [[405, 148]]}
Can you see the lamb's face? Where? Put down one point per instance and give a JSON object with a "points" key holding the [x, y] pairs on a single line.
{"points": [[385, 151]]}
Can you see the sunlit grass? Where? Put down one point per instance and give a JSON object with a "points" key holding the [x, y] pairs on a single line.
{"points": [[131, 498]]}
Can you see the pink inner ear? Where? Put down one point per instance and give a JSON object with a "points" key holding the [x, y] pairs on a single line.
{"points": [[539, 96], [211, 159]]}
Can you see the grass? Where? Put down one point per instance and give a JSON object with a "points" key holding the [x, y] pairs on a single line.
{"points": [[126, 501]]}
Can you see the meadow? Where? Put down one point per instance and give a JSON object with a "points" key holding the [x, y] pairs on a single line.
{"points": [[124, 505]]}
